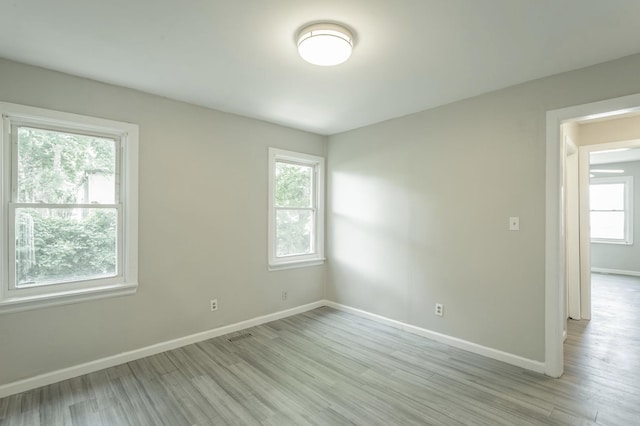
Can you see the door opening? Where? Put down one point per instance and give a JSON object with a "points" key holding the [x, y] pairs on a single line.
{"points": [[557, 304]]}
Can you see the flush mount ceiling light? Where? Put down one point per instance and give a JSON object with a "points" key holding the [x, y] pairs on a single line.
{"points": [[325, 44], [606, 171]]}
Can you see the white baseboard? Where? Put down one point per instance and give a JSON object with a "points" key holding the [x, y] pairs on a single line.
{"points": [[615, 271], [496, 354], [111, 361]]}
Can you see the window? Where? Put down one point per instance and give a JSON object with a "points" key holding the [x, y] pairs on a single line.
{"points": [[296, 209], [69, 217], [611, 203]]}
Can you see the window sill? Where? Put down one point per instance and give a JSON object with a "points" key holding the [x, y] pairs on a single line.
{"points": [[296, 264], [620, 243], [25, 303]]}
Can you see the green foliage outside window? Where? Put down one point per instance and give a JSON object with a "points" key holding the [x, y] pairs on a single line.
{"points": [[54, 243], [294, 214], [63, 248]]}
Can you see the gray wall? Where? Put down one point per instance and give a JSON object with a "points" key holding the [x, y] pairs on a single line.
{"points": [[203, 228], [621, 257], [418, 210]]}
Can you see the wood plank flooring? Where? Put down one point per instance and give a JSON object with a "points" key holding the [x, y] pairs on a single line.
{"points": [[326, 367]]}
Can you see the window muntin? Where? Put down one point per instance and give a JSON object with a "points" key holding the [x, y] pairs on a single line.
{"points": [[610, 201], [296, 209], [69, 221]]}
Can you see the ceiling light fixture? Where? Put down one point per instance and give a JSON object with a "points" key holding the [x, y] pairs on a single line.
{"points": [[606, 171], [606, 114], [325, 44], [607, 151]]}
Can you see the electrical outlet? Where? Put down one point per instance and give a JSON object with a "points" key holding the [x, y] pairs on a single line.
{"points": [[439, 309], [285, 295], [214, 304]]}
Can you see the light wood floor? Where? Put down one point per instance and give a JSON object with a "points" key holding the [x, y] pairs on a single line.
{"points": [[327, 367]]}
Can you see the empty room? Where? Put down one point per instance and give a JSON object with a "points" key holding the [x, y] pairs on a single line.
{"points": [[339, 212]]}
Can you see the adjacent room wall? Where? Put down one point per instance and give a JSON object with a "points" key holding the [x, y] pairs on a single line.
{"points": [[203, 228], [418, 210], [621, 258]]}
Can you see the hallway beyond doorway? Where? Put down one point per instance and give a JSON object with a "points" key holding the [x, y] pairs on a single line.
{"points": [[606, 349]]}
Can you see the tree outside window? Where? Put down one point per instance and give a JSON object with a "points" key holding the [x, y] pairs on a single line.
{"points": [[73, 235]]}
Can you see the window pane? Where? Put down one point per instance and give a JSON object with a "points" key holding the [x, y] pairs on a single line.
{"points": [[58, 245], [293, 232], [294, 185], [64, 168], [607, 196], [607, 225]]}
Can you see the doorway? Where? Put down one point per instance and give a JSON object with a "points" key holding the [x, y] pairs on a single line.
{"points": [[556, 306], [601, 205], [602, 309]]}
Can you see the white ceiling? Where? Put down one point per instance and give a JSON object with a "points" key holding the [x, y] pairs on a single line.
{"points": [[240, 55]]}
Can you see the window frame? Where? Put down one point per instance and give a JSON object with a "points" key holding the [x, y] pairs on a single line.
{"points": [[627, 181], [17, 298], [317, 256]]}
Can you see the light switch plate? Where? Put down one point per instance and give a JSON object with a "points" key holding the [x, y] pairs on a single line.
{"points": [[514, 224]]}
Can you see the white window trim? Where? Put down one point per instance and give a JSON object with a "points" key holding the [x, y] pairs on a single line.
{"points": [[298, 261], [628, 208], [11, 299]]}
